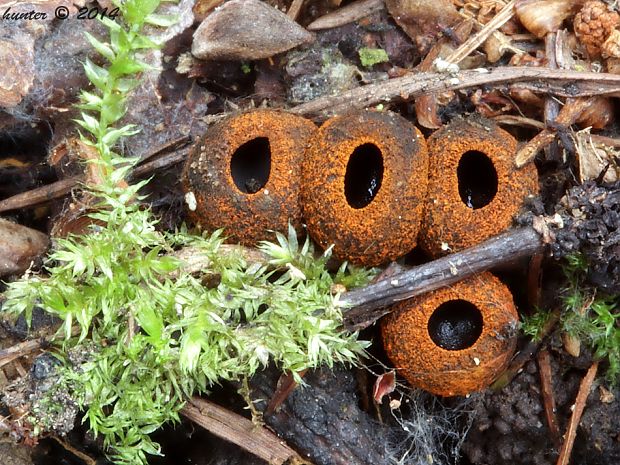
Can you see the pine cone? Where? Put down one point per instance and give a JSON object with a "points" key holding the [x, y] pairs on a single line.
{"points": [[594, 24]]}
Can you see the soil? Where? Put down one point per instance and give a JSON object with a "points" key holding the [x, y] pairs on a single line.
{"points": [[510, 426], [332, 420]]}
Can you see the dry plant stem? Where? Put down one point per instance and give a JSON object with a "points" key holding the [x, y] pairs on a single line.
{"points": [[483, 34], [544, 366], [580, 403], [240, 431], [568, 115], [194, 261], [61, 188], [513, 120], [19, 350], [552, 106], [604, 140], [286, 385], [87, 459], [347, 14], [368, 304], [562, 83], [525, 354], [534, 279], [39, 195], [294, 9]]}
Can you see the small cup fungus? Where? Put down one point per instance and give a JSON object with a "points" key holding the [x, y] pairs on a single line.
{"points": [[474, 188], [244, 175], [455, 340], [363, 186]]}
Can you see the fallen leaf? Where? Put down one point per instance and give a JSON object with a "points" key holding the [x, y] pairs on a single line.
{"points": [[384, 385], [595, 158], [423, 20], [247, 30]]}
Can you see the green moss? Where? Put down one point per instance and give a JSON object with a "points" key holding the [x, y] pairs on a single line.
{"points": [[372, 56], [152, 334], [587, 315]]}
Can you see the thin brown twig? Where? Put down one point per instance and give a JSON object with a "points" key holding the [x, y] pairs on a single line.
{"points": [[580, 403], [483, 34], [525, 354], [240, 431], [295, 9], [19, 350], [569, 113], [347, 14], [61, 188], [544, 366], [78, 453], [563, 83], [514, 120], [370, 303]]}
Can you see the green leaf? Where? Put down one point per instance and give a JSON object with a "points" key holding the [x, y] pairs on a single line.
{"points": [[89, 123], [161, 20], [103, 48], [96, 74], [113, 135]]}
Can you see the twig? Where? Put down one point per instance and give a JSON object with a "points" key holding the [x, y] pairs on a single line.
{"points": [[61, 188], [483, 34], [525, 354], [194, 260], [552, 106], [604, 140], [368, 303], [580, 403], [240, 431], [564, 83], [78, 453], [347, 14], [544, 365], [567, 116], [294, 9], [513, 120], [534, 279], [19, 350], [39, 195]]}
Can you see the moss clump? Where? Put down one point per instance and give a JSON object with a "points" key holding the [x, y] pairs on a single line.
{"points": [[372, 56], [153, 334]]}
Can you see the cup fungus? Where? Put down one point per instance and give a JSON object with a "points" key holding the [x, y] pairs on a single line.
{"points": [[474, 188], [244, 175], [363, 186], [455, 340]]}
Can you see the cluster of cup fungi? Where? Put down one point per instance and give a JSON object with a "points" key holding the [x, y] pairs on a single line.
{"points": [[369, 185]]}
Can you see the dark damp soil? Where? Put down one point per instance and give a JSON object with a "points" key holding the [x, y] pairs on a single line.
{"points": [[510, 426]]}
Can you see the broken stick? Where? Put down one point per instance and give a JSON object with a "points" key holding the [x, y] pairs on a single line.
{"points": [[232, 427], [369, 303]]}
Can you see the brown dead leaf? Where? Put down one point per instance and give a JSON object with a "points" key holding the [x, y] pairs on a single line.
{"points": [[247, 30], [423, 20], [595, 158]]}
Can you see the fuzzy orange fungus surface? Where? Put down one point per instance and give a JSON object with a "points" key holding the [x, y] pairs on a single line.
{"points": [[455, 340], [363, 186], [474, 189], [244, 175]]}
